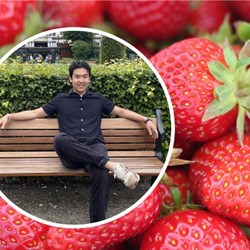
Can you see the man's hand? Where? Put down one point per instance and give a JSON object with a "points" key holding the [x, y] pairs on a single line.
{"points": [[152, 130], [3, 121]]}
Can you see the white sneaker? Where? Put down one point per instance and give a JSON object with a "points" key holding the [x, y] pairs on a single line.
{"points": [[128, 177]]}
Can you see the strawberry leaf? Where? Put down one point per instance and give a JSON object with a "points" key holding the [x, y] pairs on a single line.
{"points": [[222, 92], [217, 108], [220, 72], [242, 77], [245, 51], [240, 123], [229, 55], [243, 62], [244, 102], [242, 30]]}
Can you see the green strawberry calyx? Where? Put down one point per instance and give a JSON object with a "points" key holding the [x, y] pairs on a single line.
{"points": [[235, 90], [178, 202], [242, 30]]}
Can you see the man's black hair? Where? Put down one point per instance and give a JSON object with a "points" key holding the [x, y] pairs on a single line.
{"points": [[79, 65]]}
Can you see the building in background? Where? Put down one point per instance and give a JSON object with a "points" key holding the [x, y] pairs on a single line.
{"points": [[53, 47], [50, 48]]}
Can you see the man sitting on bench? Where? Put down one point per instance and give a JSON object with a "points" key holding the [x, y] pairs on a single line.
{"points": [[80, 143]]}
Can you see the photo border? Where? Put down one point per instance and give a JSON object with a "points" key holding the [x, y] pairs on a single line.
{"points": [[172, 134]]}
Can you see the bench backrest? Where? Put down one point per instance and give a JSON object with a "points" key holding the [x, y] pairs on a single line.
{"points": [[38, 135]]}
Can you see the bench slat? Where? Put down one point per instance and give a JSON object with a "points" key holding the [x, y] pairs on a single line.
{"points": [[25, 147], [53, 132], [53, 167], [107, 123], [41, 140], [52, 154]]}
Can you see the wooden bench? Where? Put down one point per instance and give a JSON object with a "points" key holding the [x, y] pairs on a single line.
{"points": [[26, 148]]}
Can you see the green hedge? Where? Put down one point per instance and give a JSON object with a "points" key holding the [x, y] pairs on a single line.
{"points": [[131, 85]]}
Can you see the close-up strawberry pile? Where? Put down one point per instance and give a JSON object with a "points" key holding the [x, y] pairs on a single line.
{"points": [[201, 49]]}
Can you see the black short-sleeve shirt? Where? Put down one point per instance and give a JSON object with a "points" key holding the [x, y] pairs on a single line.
{"points": [[80, 116]]}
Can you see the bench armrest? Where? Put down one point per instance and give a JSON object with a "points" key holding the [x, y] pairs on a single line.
{"points": [[162, 135]]}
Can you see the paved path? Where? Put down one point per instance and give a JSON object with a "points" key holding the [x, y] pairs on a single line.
{"points": [[66, 201]]}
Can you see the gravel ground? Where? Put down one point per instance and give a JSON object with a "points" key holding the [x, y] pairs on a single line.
{"points": [[66, 200]]}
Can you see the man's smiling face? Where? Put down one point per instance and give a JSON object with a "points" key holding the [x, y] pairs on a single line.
{"points": [[80, 80]]}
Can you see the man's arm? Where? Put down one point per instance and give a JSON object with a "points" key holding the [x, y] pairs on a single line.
{"points": [[131, 115], [22, 116]]}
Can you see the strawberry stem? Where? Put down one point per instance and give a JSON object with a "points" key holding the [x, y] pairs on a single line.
{"points": [[176, 196], [165, 209]]}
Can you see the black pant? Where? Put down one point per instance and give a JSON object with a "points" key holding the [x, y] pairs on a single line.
{"points": [[75, 153]]}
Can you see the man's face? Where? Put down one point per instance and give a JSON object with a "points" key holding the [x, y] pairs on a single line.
{"points": [[80, 81]]}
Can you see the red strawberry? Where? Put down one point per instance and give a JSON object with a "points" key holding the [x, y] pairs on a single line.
{"points": [[221, 175], [119, 246], [178, 178], [79, 13], [12, 16], [134, 243], [207, 16], [194, 71], [145, 51], [159, 20], [241, 9], [194, 229], [113, 232], [188, 147], [18, 232]]}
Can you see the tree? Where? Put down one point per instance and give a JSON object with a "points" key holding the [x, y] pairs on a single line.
{"points": [[78, 35], [81, 50], [87, 37], [111, 49]]}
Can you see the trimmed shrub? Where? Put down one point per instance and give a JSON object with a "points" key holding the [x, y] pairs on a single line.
{"points": [[130, 85], [82, 50], [111, 50]]}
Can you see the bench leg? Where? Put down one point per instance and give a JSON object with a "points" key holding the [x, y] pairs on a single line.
{"points": [[153, 178]]}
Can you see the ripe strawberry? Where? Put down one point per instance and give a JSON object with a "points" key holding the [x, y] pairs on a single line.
{"points": [[159, 20], [12, 16], [194, 229], [221, 175], [79, 13], [194, 71], [119, 246], [145, 51], [134, 243], [240, 9], [188, 147], [207, 16], [113, 232], [178, 178], [18, 232]]}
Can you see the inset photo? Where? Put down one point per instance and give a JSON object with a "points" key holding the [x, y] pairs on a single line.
{"points": [[86, 126]]}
